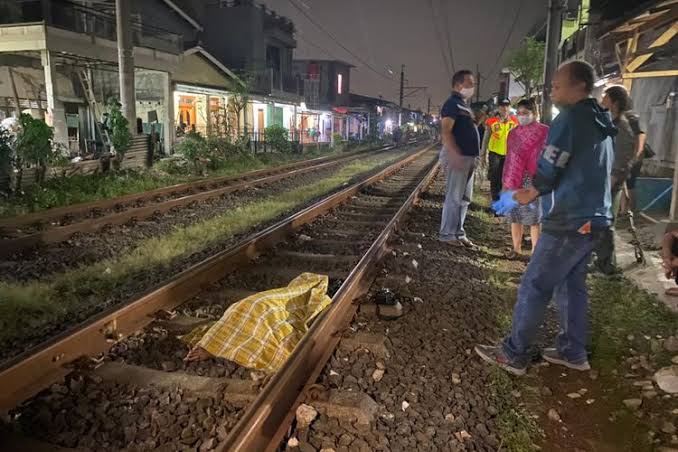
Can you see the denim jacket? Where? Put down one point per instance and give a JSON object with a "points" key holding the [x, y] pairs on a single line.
{"points": [[573, 172]]}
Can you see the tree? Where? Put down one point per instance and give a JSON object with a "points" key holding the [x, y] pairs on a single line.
{"points": [[121, 137], [33, 146], [527, 63], [239, 98]]}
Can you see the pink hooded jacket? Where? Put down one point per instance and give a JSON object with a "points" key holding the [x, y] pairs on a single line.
{"points": [[524, 146]]}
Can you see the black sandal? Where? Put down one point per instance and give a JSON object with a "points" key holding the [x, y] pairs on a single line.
{"points": [[513, 256]]}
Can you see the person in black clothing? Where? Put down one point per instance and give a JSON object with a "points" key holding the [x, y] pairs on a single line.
{"points": [[458, 155], [642, 151]]}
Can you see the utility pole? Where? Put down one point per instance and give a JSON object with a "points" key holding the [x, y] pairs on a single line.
{"points": [[126, 62], [402, 84], [428, 109], [411, 90], [477, 83], [555, 25]]}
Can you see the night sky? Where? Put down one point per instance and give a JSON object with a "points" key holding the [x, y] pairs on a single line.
{"points": [[388, 33]]}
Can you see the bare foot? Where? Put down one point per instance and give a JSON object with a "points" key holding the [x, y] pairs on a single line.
{"points": [[672, 292], [198, 354]]}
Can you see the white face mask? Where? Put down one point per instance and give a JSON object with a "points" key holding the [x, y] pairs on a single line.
{"points": [[525, 119], [467, 93]]}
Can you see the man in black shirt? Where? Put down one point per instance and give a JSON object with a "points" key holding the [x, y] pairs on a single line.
{"points": [[461, 147]]}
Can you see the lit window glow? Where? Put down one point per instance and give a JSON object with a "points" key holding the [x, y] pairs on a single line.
{"points": [[339, 80]]}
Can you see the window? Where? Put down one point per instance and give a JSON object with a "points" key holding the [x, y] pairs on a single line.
{"points": [[339, 80]]}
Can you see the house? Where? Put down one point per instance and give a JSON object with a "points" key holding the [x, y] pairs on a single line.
{"points": [[326, 88], [327, 83], [221, 67], [251, 39], [240, 47], [59, 60]]}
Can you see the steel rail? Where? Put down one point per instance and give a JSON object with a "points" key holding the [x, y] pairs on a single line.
{"points": [[55, 214], [57, 234], [61, 233], [267, 419], [28, 373]]}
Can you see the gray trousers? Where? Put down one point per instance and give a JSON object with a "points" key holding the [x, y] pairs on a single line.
{"points": [[458, 193]]}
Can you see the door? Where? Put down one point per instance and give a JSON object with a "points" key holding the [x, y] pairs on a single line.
{"points": [[260, 119], [187, 112]]}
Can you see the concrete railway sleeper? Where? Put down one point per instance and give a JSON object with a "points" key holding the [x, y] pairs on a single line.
{"points": [[57, 225], [141, 395]]}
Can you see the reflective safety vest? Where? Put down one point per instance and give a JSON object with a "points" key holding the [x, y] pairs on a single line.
{"points": [[499, 131]]}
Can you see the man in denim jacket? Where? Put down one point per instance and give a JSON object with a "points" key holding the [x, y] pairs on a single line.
{"points": [[573, 176]]}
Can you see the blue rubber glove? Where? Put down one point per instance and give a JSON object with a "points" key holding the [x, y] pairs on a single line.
{"points": [[506, 203]]}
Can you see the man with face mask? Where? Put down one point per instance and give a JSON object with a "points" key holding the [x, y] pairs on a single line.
{"points": [[497, 130], [461, 145], [573, 178]]}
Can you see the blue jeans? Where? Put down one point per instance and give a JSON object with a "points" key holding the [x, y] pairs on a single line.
{"points": [[458, 193], [558, 267]]}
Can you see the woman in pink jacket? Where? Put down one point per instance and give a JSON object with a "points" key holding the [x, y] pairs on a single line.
{"points": [[524, 146]]}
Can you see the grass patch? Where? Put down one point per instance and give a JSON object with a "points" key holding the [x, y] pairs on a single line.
{"points": [[481, 200], [26, 307], [618, 309], [79, 188], [518, 430]]}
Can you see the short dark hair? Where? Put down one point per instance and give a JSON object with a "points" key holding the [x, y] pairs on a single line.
{"points": [[620, 96], [582, 72], [528, 104], [460, 76]]}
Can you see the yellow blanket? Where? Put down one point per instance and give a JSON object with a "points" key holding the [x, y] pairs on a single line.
{"points": [[261, 331]]}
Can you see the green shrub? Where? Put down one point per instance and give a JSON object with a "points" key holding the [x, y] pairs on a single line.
{"points": [[33, 146], [120, 135], [194, 148], [276, 136], [175, 165], [222, 148], [337, 138], [34, 141]]}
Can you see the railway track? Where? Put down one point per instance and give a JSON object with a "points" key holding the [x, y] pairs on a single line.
{"points": [[25, 232], [212, 405]]}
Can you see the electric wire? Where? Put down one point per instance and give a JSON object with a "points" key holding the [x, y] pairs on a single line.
{"points": [[448, 34], [313, 44], [336, 41], [508, 37], [448, 65]]}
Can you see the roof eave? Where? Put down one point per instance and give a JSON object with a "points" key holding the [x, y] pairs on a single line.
{"points": [[184, 15]]}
